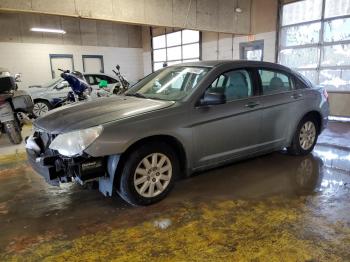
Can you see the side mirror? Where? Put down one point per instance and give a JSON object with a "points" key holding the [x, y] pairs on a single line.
{"points": [[103, 83], [118, 67], [212, 99]]}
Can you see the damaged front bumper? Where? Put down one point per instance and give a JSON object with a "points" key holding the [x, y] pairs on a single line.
{"points": [[57, 169]]}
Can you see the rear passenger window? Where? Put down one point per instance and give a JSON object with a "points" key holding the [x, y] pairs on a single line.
{"points": [[90, 79], [274, 82], [234, 84], [111, 80], [99, 78]]}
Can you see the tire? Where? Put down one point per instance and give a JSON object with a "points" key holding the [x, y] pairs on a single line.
{"points": [[305, 137], [41, 107], [148, 175], [13, 131]]}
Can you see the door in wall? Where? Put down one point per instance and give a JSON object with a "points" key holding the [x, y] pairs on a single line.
{"points": [[252, 50], [93, 63], [64, 62]]}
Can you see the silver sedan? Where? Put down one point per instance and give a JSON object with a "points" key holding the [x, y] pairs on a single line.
{"points": [[176, 121], [49, 95]]}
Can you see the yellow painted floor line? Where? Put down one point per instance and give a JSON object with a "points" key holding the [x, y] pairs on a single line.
{"points": [[270, 230], [10, 158]]}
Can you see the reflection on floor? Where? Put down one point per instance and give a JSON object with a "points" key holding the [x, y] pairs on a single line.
{"points": [[274, 208]]}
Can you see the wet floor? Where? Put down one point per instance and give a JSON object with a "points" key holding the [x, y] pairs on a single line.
{"points": [[271, 208]]}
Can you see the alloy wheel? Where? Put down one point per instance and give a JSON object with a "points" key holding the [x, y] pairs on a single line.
{"points": [[307, 135], [40, 109], [152, 175]]}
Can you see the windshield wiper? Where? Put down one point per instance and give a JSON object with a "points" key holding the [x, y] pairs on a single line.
{"points": [[136, 95]]}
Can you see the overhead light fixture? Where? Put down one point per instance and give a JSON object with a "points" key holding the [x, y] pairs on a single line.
{"points": [[238, 10], [47, 30]]}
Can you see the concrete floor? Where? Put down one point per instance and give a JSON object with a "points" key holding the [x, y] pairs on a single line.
{"points": [[6, 148], [272, 208]]}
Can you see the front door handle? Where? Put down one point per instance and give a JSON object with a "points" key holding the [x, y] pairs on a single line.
{"points": [[296, 96], [252, 105]]}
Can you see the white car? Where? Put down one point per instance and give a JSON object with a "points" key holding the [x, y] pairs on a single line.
{"points": [[49, 95]]}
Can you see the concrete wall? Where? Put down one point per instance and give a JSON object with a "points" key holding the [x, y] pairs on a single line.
{"points": [[28, 52], [264, 16], [226, 46], [209, 15], [146, 50], [339, 104], [32, 60], [15, 27]]}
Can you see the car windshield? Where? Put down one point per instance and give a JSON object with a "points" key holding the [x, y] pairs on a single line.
{"points": [[52, 82], [171, 83]]}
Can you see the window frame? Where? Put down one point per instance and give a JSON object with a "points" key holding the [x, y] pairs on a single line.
{"points": [[111, 80], [93, 76], [278, 71], [84, 57], [181, 59], [53, 56], [320, 45], [107, 78], [256, 45], [252, 74]]}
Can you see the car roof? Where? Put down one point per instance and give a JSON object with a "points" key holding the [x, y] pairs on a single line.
{"points": [[234, 63], [98, 74]]}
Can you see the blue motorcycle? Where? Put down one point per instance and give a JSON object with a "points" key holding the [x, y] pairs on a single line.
{"points": [[81, 90]]}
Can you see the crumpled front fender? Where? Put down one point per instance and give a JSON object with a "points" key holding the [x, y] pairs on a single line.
{"points": [[106, 182]]}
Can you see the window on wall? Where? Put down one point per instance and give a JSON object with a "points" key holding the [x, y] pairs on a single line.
{"points": [[315, 40], [176, 47]]}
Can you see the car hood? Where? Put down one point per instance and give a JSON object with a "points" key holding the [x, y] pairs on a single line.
{"points": [[34, 90], [102, 110]]}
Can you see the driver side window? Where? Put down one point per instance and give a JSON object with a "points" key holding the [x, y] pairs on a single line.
{"points": [[235, 84]]}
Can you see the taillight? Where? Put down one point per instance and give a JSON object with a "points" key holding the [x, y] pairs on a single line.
{"points": [[325, 94]]}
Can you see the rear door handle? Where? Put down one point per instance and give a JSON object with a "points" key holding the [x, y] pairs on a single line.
{"points": [[252, 105], [296, 96]]}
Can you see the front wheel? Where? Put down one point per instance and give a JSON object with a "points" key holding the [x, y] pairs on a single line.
{"points": [[13, 131], [305, 137], [41, 107], [148, 174]]}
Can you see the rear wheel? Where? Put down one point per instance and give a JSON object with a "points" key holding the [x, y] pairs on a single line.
{"points": [[148, 174], [305, 137], [13, 131], [41, 107]]}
